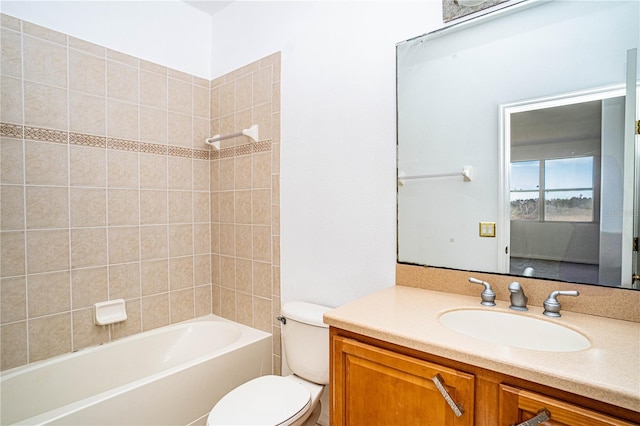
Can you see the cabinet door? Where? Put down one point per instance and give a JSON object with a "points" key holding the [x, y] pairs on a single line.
{"points": [[518, 405], [376, 387]]}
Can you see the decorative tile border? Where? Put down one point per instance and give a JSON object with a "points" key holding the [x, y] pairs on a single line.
{"points": [[48, 135]]}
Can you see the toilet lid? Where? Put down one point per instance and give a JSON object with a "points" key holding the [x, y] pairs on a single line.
{"points": [[267, 400]]}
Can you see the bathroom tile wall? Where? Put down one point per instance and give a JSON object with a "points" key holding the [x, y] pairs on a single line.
{"points": [[245, 206], [107, 193]]}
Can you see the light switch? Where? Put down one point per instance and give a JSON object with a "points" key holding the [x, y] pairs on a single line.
{"points": [[487, 229]]}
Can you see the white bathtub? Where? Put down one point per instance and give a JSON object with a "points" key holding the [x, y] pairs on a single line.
{"points": [[168, 376]]}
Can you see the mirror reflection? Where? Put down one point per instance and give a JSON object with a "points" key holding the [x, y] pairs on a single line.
{"points": [[538, 101]]}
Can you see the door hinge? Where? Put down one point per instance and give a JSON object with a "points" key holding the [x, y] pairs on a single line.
{"points": [[637, 127], [635, 244]]}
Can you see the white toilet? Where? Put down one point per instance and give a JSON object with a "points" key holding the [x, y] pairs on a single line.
{"points": [[291, 400]]}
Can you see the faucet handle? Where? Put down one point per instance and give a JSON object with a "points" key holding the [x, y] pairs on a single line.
{"points": [[552, 306], [487, 295]]}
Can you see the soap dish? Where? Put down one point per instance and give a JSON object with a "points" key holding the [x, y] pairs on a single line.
{"points": [[109, 312]]}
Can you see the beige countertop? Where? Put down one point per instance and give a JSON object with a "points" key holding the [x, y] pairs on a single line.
{"points": [[608, 371]]}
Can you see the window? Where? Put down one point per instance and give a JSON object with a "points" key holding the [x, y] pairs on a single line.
{"points": [[563, 187]]}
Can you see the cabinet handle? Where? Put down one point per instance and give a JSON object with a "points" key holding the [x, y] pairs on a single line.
{"points": [[542, 416], [439, 382]]}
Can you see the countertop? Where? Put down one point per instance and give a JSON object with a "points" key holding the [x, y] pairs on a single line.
{"points": [[608, 371]]}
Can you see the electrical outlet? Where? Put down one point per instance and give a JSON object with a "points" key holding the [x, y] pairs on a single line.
{"points": [[488, 229]]}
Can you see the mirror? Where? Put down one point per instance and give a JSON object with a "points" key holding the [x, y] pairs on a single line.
{"points": [[522, 100]]}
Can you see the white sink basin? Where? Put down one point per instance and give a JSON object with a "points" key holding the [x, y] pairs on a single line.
{"points": [[514, 330]]}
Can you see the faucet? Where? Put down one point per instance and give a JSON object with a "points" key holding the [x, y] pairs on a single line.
{"points": [[518, 298], [552, 306], [487, 295]]}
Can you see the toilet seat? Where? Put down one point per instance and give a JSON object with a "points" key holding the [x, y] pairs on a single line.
{"points": [[267, 400]]}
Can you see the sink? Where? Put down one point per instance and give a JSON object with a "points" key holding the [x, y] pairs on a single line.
{"points": [[514, 330]]}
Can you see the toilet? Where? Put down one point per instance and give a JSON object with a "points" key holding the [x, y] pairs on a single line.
{"points": [[293, 400]]}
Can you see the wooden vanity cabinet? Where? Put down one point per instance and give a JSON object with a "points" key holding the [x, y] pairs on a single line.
{"points": [[376, 383]]}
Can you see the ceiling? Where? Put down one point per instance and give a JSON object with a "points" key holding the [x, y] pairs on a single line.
{"points": [[210, 7]]}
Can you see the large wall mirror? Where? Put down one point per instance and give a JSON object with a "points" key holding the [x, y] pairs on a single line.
{"points": [[523, 119]]}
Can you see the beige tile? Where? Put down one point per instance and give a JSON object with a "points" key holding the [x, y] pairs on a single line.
{"points": [[227, 98], [179, 75], [201, 206], [202, 297], [123, 207], [122, 169], [87, 73], [180, 130], [47, 251], [45, 106], [262, 170], [202, 269], [244, 311], [153, 207], [243, 172], [275, 276], [9, 22], [227, 207], [155, 277], [12, 259], [85, 332], [87, 166], [44, 62], [180, 240], [261, 206], [215, 238], [11, 161], [228, 303], [242, 120], [201, 131], [201, 175], [244, 93], [201, 238], [182, 305], [122, 82], [153, 171], [13, 299], [12, 212], [262, 314], [275, 219], [155, 311], [180, 171], [201, 102], [46, 163], [47, 207], [227, 239], [216, 302], [48, 293], [214, 104], [87, 114], [262, 279], [11, 52], [243, 241], [180, 207], [244, 275], [114, 55], [49, 336], [88, 207], [261, 242], [13, 344], [122, 120], [180, 97], [87, 47], [11, 101], [228, 272], [133, 323], [153, 67], [275, 127], [89, 286], [262, 81], [154, 242], [275, 100], [88, 247], [153, 125], [180, 272], [243, 203], [44, 33], [227, 126], [275, 249], [226, 174], [153, 90], [124, 281], [124, 244], [215, 207], [263, 116]]}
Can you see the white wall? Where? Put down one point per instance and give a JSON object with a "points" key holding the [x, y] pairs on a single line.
{"points": [[167, 32], [338, 162]]}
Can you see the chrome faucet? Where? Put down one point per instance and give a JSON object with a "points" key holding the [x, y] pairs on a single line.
{"points": [[552, 306], [487, 295], [518, 298]]}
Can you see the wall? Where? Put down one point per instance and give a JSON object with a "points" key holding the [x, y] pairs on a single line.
{"points": [[338, 130]]}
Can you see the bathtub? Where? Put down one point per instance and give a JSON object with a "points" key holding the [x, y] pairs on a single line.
{"points": [[168, 376]]}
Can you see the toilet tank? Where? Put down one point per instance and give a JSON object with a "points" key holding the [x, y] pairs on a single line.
{"points": [[306, 341]]}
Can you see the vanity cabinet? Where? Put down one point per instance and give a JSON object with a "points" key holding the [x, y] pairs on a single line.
{"points": [[377, 383]]}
